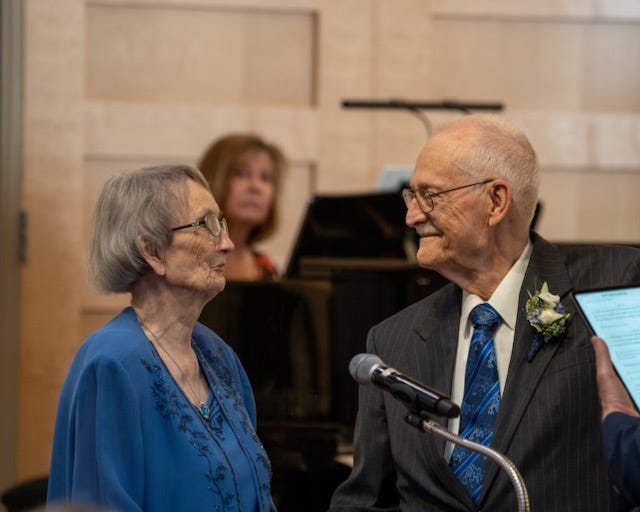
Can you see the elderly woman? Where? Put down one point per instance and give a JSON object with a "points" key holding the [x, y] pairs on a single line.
{"points": [[245, 172], [156, 412]]}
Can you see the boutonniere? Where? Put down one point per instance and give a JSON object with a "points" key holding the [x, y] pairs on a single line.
{"points": [[547, 316]]}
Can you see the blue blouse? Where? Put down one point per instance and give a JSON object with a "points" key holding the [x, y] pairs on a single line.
{"points": [[126, 437]]}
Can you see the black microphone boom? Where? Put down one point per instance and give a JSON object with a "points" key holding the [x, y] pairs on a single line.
{"points": [[422, 105], [369, 369]]}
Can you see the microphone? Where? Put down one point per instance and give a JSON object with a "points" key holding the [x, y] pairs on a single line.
{"points": [[369, 369]]}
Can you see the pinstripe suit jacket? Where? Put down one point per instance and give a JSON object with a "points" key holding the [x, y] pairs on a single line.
{"points": [[549, 419]]}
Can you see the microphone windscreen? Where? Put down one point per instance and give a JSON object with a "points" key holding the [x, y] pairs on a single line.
{"points": [[362, 366]]}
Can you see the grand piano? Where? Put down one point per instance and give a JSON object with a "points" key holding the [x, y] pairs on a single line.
{"points": [[352, 266]]}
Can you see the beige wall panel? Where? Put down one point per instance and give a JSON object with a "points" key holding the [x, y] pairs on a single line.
{"points": [[293, 129], [403, 58], [582, 204], [522, 64], [103, 304], [402, 55], [163, 54], [96, 174], [262, 5], [344, 162], [560, 139], [280, 59], [602, 140], [173, 54], [564, 9], [611, 67], [346, 70], [399, 137], [181, 133], [616, 140], [52, 178]]}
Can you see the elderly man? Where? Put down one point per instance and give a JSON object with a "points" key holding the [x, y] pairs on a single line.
{"points": [[501, 340]]}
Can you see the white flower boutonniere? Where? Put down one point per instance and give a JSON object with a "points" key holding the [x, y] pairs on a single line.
{"points": [[547, 316]]}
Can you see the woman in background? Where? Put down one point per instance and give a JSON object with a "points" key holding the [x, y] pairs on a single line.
{"points": [[245, 173], [156, 412]]}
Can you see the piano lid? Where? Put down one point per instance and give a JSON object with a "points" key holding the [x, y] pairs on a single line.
{"points": [[353, 227]]}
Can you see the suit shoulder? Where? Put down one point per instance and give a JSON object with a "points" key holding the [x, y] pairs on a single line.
{"points": [[435, 304], [578, 251], [601, 264]]}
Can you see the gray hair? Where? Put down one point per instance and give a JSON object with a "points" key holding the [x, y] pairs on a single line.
{"points": [[497, 149], [134, 203]]}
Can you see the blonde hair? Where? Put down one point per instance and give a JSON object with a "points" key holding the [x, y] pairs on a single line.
{"points": [[219, 162]]}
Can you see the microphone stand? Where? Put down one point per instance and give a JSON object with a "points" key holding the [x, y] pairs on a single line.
{"points": [[416, 107], [427, 425]]}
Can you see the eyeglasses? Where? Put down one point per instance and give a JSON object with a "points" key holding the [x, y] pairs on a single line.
{"points": [[425, 198], [214, 224]]}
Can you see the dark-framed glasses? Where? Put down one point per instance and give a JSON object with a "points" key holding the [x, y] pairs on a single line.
{"points": [[425, 198], [216, 225]]}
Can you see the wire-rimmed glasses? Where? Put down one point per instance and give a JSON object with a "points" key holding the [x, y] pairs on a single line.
{"points": [[425, 198], [216, 225]]}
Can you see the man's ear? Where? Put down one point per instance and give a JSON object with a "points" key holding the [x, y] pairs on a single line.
{"points": [[501, 198], [151, 254]]}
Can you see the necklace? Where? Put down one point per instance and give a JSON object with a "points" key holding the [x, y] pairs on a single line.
{"points": [[202, 406]]}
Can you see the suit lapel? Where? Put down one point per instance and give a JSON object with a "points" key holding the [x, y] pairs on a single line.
{"points": [[438, 330], [546, 265]]}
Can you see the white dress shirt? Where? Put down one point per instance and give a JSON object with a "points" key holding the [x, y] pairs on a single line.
{"points": [[505, 301]]}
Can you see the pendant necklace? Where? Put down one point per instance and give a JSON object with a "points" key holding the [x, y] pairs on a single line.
{"points": [[202, 405]]}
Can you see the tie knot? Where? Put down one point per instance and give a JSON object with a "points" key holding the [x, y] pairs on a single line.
{"points": [[484, 315]]}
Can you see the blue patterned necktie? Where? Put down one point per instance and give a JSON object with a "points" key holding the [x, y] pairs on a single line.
{"points": [[481, 400]]}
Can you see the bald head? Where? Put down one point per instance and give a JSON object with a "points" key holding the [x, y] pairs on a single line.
{"points": [[485, 146]]}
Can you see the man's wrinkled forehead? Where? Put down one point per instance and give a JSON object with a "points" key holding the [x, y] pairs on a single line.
{"points": [[436, 161]]}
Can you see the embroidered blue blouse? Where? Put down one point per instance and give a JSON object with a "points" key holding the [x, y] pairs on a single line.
{"points": [[126, 438]]}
